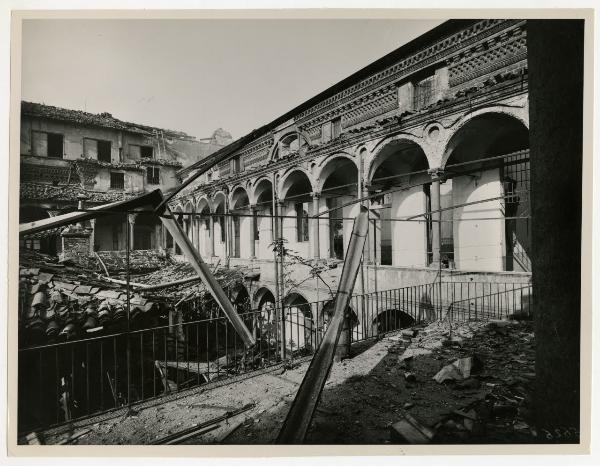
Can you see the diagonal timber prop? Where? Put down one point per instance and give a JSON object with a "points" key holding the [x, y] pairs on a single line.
{"points": [[298, 419], [153, 199], [207, 277]]}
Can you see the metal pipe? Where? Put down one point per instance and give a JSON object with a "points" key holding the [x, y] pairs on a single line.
{"points": [[299, 417]]}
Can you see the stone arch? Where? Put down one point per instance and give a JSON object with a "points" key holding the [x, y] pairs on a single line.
{"points": [[328, 165], [300, 326], [219, 203], [290, 177], [493, 121], [239, 198], [239, 204], [401, 161], [395, 155], [261, 196], [204, 211], [390, 319], [258, 188], [487, 157], [285, 140]]}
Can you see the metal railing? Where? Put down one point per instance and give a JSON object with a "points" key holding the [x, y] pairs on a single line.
{"points": [[66, 381], [510, 302]]}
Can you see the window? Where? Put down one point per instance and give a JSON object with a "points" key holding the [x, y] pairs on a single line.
{"points": [[146, 152], [302, 222], [117, 180], [141, 152], [336, 127], [423, 94], [97, 149], [153, 175], [237, 165], [48, 144]]}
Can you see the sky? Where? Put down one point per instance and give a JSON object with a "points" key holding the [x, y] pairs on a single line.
{"points": [[198, 75]]}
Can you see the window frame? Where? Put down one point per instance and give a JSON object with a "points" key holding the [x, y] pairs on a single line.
{"points": [[112, 185], [302, 227], [155, 179]]}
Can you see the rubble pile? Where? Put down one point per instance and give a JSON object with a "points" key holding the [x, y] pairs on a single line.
{"points": [[490, 364], [140, 261]]}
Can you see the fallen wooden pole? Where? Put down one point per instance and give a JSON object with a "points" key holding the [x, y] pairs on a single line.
{"points": [[300, 415], [208, 278], [195, 429], [183, 281]]}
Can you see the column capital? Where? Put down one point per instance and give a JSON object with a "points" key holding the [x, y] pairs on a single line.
{"points": [[253, 207], [131, 218], [280, 202], [316, 195], [437, 174]]}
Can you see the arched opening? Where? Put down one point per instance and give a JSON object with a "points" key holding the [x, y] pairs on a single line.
{"points": [[265, 311], [204, 233], [389, 320], [220, 225], [488, 160], [47, 242], [340, 185], [290, 144], [299, 332], [398, 163], [188, 220], [179, 218], [263, 235], [240, 223], [296, 194]]}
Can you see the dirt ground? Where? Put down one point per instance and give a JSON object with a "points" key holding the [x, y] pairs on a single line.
{"points": [[364, 395]]}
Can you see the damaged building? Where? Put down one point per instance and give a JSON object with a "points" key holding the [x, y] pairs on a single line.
{"points": [[430, 143], [71, 158]]}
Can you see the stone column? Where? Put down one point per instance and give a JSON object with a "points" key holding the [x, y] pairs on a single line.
{"points": [[211, 238], [437, 176], [252, 230], [131, 221], [315, 226]]}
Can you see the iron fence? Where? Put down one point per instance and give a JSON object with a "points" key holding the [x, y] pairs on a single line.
{"points": [[66, 381]]}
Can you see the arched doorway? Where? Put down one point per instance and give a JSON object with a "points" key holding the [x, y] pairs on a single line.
{"points": [[263, 199], [296, 194], [299, 332], [240, 223], [339, 178], [488, 159], [401, 162], [203, 225], [220, 225]]}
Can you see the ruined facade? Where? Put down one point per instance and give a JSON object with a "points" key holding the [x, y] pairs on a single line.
{"points": [[71, 158], [439, 127]]}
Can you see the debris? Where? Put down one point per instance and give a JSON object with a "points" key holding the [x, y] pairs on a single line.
{"points": [[75, 436], [458, 370], [33, 439], [410, 377], [410, 430]]}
